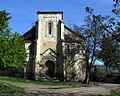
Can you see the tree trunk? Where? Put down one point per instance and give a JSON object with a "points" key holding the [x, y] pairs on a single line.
{"points": [[87, 78]]}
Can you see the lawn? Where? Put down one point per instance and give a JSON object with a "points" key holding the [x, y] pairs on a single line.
{"points": [[11, 86], [50, 84], [9, 90]]}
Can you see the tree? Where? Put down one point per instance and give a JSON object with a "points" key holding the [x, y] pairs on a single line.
{"points": [[12, 49], [110, 52], [92, 34], [116, 9], [111, 25]]}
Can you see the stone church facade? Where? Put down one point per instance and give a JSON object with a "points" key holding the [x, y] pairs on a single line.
{"points": [[54, 50]]}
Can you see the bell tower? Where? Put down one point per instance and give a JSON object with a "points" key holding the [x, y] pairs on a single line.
{"points": [[47, 29], [48, 36]]}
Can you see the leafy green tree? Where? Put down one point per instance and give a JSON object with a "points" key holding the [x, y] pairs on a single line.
{"points": [[12, 50], [110, 52]]}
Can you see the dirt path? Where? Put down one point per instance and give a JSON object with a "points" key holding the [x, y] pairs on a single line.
{"points": [[102, 89], [74, 91]]}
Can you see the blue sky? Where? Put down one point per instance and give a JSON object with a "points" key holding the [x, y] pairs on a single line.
{"points": [[24, 15]]}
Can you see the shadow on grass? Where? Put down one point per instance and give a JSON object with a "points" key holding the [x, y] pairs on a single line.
{"points": [[9, 90], [48, 83]]}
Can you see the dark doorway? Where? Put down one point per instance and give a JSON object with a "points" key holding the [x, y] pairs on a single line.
{"points": [[50, 68]]}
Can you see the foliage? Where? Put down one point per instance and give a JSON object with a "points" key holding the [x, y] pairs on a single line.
{"points": [[18, 75], [99, 75], [94, 30], [115, 92], [4, 28], [116, 9], [110, 52], [91, 31], [110, 26], [12, 49]]}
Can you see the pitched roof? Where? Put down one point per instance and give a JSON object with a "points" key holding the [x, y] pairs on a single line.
{"points": [[30, 35], [67, 38], [78, 35]]}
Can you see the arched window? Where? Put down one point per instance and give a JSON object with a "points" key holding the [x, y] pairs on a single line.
{"points": [[49, 28]]}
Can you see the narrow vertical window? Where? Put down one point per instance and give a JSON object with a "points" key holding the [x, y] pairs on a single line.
{"points": [[68, 48], [49, 28]]}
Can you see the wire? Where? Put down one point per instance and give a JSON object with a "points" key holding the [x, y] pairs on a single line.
{"points": [[21, 21], [67, 20]]}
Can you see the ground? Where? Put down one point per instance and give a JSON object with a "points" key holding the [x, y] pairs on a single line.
{"points": [[34, 89]]}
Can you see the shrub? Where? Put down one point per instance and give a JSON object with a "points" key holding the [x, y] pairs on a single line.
{"points": [[115, 92], [99, 76], [19, 75]]}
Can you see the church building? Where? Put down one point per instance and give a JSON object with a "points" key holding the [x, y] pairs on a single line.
{"points": [[54, 50]]}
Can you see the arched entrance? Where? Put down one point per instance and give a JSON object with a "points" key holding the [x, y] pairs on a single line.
{"points": [[50, 68]]}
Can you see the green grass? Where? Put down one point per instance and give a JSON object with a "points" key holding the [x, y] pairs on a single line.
{"points": [[115, 92], [49, 83], [7, 95], [9, 90]]}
